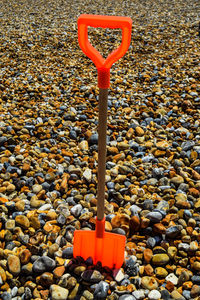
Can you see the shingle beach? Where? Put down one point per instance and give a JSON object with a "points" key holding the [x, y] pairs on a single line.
{"points": [[49, 144]]}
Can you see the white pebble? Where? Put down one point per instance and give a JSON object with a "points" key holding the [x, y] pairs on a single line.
{"points": [[118, 275], [87, 174], [46, 207], [172, 278], [154, 295], [139, 294]]}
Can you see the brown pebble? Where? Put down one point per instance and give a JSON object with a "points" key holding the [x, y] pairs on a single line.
{"points": [[148, 254], [134, 224], [59, 271], [2, 274], [149, 271], [25, 256], [14, 265], [195, 291], [139, 131]]}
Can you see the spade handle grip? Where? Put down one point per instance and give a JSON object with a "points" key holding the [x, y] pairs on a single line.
{"points": [[103, 65]]}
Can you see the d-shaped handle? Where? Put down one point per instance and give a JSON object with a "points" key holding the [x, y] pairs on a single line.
{"points": [[103, 65]]}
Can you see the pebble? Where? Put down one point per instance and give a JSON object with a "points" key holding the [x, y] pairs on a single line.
{"points": [[101, 290], [149, 283], [87, 174], [43, 264], [160, 259], [172, 278], [139, 294], [58, 293], [154, 295], [14, 265], [126, 297]]}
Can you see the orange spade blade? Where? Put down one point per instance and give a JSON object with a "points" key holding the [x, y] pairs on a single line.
{"points": [[109, 249]]}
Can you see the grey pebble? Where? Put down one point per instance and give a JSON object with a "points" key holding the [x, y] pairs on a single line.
{"points": [[154, 216], [134, 210], [67, 252], [92, 276], [127, 297], [186, 294], [101, 290], [28, 293], [165, 295], [151, 242], [14, 291], [188, 145], [173, 231], [119, 231], [3, 139], [6, 296], [196, 279], [76, 210], [43, 264], [131, 261]]}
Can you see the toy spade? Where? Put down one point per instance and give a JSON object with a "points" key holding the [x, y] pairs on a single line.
{"points": [[106, 247]]}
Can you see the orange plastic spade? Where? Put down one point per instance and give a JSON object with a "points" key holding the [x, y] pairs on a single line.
{"points": [[106, 247]]}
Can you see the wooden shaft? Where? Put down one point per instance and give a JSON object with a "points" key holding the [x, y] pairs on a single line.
{"points": [[102, 127]]}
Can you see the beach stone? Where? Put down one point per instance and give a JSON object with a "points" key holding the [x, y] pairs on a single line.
{"points": [[176, 295], [43, 264], [67, 252], [139, 131], [177, 180], [101, 290], [58, 293], [165, 295], [88, 295], [10, 188], [87, 175], [172, 278], [186, 294], [173, 231], [126, 297], [25, 256], [194, 246], [123, 146], [76, 210], [183, 277], [154, 295], [118, 275], [83, 145], [151, 242], [6, 296], [22, 221], [195, 279], [139, 294], [14, 291], [148, 253], [92, 276], [14, 265], [2, 275], [172, 251], [196, 266], [161, 272], [10, 224], [154, 216], [36, 188], [149, 283], [195, 291], [160, 259]]}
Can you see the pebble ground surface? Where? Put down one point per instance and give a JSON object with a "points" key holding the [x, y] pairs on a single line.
{"points": [[48, 151]]}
